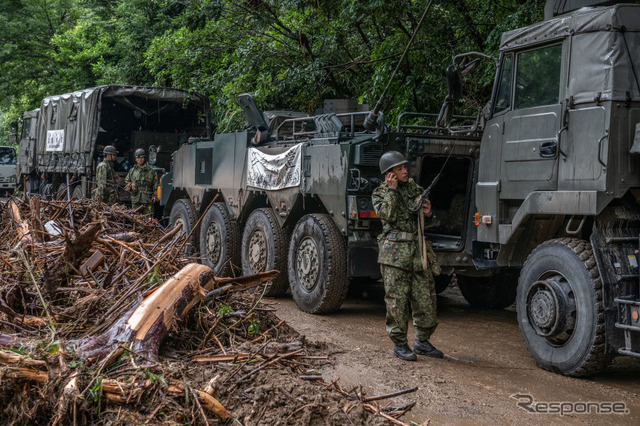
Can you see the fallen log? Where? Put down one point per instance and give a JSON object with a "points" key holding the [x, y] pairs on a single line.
{"points": [[148, 324], [12, 359], [25, 373], [16, 366]]}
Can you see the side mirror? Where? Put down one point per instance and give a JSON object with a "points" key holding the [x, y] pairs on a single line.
{"points": [[14, 127], [454, 82], [153, 154]]}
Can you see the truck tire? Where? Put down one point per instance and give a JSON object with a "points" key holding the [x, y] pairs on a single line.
{"points": [[265, 247], [46, 190], [495, 292], [219, 240], [559, 308], [317, 265], [77, 193], [61, 192], [184, 212]]}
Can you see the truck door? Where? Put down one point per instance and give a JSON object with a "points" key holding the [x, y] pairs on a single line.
{"points": [[530, 134]]}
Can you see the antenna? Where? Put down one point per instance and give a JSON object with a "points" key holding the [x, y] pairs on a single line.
{"points": [[372, 118]]}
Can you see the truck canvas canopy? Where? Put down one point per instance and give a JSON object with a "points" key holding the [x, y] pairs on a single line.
{"points": [[607, 72], [75, 126]]}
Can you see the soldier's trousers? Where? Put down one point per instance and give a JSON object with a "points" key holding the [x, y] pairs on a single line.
{"points": [[408, 292]]}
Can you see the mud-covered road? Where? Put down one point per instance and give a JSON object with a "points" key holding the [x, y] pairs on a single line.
{"points": [[485, 364]]}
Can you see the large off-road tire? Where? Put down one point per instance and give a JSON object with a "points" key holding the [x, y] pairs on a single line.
{"points": [[46, 190], [219, 240], [317, 265], [60, 192], [265, 247], [559, 307], [184, 212], [77, 192], [495, 292]]}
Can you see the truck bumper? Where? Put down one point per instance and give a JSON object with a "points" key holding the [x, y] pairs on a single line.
{"points": [[4, 187]]}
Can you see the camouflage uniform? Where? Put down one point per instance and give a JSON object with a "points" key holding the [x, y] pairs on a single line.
{"points": [[408, 288], [146, 182], [105, 189]]}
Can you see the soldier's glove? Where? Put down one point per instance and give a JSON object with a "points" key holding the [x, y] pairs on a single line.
{"points": [[127, 187], [134, 187]]}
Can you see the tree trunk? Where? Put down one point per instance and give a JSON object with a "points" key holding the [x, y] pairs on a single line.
{"points": [[149, 323]]}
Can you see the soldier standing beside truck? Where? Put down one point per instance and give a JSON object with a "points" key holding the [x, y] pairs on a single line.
{"points": [[105, 190], [142, 182], [409, 286]]}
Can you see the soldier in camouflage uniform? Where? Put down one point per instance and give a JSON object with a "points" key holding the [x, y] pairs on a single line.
{"points": [[142, 182], [408, 287], [105, 189]]}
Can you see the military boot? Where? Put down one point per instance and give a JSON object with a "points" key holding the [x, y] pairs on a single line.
{"points": [[404, 352], [424, 347]]}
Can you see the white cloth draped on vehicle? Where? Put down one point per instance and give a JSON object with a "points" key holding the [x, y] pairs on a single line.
{"points": [[274, 171]]}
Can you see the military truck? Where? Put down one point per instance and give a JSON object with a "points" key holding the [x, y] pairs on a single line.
{"points": [[8, 170], [556, 187], [538, 193], [61, 143]]}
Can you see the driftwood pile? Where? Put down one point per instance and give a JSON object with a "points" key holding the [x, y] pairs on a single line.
{"points": [[103, 320]]}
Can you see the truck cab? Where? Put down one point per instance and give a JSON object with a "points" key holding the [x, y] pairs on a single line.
{"points": [[558, 182], [8, 170]]}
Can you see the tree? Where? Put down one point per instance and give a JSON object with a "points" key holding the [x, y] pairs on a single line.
{"points": [[290, 54]]}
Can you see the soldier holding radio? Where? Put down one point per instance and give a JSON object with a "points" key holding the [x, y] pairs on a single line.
{"points": [[408, 280]]}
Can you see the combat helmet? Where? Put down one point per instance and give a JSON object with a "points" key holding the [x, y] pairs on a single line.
{"points": [[110, 149], [139, 153], [390, 159]]}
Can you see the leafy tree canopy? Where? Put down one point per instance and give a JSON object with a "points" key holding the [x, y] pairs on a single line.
{"points": [[290, 54]]}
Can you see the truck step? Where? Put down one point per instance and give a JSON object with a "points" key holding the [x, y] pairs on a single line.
{"points": [[629, 321], [629, 308]]}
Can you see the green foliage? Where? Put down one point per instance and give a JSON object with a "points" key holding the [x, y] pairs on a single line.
{"points": [[154, 378], [94, 391], [224, 310], [254, 328], [290, 54], [154, 277], [19, 351]]}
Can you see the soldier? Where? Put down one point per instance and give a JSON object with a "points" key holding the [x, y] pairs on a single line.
{"points": [[105, 189], [408, 286], [142, 182]]}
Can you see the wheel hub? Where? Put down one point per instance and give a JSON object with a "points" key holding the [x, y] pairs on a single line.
{"points": [[214, 243], [551, 309], [307, 264], [258, 252], [543, 308], [183, 229]]}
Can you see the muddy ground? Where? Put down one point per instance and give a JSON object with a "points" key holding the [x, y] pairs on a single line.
{"points": [[485, 363]]}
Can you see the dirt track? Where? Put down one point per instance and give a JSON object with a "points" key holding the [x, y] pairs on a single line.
{"points": [[485, 363]]}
